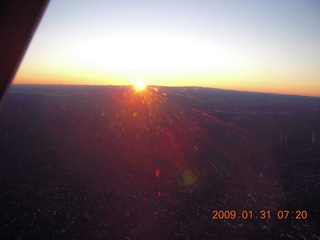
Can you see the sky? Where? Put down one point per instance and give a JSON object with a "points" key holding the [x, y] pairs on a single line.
{"points": [[265, 46]]}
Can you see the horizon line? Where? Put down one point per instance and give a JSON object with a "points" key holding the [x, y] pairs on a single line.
{"points": [[127, 85]]}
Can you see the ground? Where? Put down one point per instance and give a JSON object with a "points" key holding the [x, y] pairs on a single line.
{"points": [[95, 162]]}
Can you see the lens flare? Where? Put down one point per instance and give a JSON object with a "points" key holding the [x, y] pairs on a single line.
{"points": [[188, 178]]}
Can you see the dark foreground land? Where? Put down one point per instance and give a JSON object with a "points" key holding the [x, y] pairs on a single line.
{"points": [[112, 163]]}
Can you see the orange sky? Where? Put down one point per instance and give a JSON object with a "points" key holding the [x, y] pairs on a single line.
{"points": [[251, 46]]}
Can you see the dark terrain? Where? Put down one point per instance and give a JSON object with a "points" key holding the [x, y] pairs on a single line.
{"points": [[89, 162]]}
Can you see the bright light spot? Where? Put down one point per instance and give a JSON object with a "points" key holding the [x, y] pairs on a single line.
{"points": [[140, 85], [151, 53]]}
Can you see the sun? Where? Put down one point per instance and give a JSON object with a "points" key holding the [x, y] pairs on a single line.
{"points": [[140, 85]]}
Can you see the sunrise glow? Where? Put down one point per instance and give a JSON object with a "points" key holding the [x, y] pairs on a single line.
{"points": [[252, 46]]}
